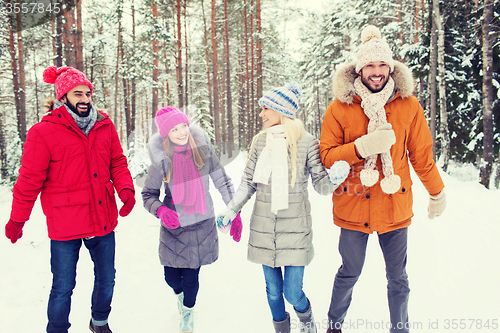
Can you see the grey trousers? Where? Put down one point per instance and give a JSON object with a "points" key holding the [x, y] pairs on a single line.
{"points": [[352, 248]]}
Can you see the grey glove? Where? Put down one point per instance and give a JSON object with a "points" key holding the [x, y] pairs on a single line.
{"points": [[376, 142]]}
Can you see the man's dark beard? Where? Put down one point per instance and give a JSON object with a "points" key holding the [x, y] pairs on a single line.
{"points": [[372, 90], [74, 108]]}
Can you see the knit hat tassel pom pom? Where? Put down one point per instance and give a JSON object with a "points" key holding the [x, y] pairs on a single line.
{"points": [[50, 75], [295, 88], [369, 33], [390, 184], [369, 177]]}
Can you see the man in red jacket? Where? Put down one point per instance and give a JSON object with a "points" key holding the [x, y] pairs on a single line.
{"points": [[73, 157], [375, 114]]}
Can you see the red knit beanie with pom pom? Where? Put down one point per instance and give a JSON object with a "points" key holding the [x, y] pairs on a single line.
{"points": [[65, 79]]}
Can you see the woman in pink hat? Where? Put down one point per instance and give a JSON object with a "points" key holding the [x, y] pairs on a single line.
{"points": [[183, 162]]}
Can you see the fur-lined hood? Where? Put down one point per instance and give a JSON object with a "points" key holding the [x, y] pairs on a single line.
{"points": [[343, 81]]}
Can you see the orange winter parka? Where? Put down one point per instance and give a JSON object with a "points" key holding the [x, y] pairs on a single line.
{"points": [[368, 209]]}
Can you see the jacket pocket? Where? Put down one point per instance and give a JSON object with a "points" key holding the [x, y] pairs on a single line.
{"points": [[112, 208], [71, 214]]}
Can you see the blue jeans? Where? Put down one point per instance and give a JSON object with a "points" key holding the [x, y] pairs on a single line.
{"points": [[289, 285], [184, 280], [63, 260], [352, 248]]}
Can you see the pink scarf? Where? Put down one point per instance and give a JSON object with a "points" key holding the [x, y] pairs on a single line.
{"points": [[187, 186]]}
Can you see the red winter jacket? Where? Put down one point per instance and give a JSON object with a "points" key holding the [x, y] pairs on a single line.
{"points": [[76, 175]]}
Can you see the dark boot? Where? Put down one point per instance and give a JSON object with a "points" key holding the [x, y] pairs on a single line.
{"points": [[307, 324], [333, 330], [282, 326], [99, 329]]}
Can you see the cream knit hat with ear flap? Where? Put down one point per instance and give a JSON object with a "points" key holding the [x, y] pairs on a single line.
{"points": [[373, 49]]}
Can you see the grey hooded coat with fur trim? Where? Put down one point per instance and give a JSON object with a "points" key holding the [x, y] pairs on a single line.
{"points": [[195, 242], [285, 238]]}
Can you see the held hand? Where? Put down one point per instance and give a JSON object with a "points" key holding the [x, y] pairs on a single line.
{"points": [[14, 230], [376, 142], [168, 217], [224, 220], [339, 172], [236, 228], [128, 198], [437, 204]]}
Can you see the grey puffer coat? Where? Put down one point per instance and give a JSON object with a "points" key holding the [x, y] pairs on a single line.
{"points": [[195, 242], [285, 238]]}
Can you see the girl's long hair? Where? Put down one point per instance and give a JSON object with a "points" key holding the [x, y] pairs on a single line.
{"points": [[294, 128], [197, 155]]}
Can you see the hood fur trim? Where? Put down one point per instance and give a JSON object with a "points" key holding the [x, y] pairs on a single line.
{"points": [[343, 81], [159, 156]]}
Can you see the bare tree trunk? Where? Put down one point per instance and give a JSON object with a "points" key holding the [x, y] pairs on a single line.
{"points": [[21, 112], [132, 96], [207, 57], [69, 47], [487, 164], [78, 37], [252, 108], [259, 58], [59, 43], [246, 79], [154, 104], [432, 83], [180, 88], [214, 76], [15, 72], [4, 173], [229, 103], [443, 115], [126, 106], [186, 66]]}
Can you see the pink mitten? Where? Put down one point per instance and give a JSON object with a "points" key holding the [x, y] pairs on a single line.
{"points": [[236, 228], [168, 217]]}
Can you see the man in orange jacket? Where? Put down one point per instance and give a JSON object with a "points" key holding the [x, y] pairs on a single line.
{"points": [[73, 157], [375, 114]]}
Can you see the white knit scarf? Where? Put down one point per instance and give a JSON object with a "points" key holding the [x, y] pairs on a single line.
{"points": [[273, 163], [373, 107]]}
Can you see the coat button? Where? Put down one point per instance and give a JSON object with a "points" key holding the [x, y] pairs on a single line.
{"points": [[105, 228], [95, 175], [345, 189], [367, 225], [403, 190], [59, 115], [100, 202], [368, 196]]}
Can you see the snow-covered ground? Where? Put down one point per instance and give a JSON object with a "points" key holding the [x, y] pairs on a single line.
{"points": [[453, 267]]}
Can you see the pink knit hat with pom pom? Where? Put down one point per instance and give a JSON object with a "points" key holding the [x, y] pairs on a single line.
{"points": [[373, 49], [169, 117], [65, 79]]}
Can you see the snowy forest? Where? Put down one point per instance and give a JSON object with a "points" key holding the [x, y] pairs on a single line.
{"points": [[214, 58]]}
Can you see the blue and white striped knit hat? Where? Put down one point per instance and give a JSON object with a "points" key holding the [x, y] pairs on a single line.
{"points": [[284, 100]]}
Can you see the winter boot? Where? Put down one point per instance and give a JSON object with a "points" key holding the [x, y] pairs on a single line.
{"points": [[180, 301], [99, 329], [307, 324], [187, 319], [333, 330], [282, 326]]}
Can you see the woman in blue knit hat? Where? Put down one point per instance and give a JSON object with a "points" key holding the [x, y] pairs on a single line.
{"points": [[280, 160]]}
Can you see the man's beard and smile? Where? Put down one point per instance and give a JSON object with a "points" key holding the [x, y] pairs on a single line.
{"points": [[374, 82], [81, 109]]}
